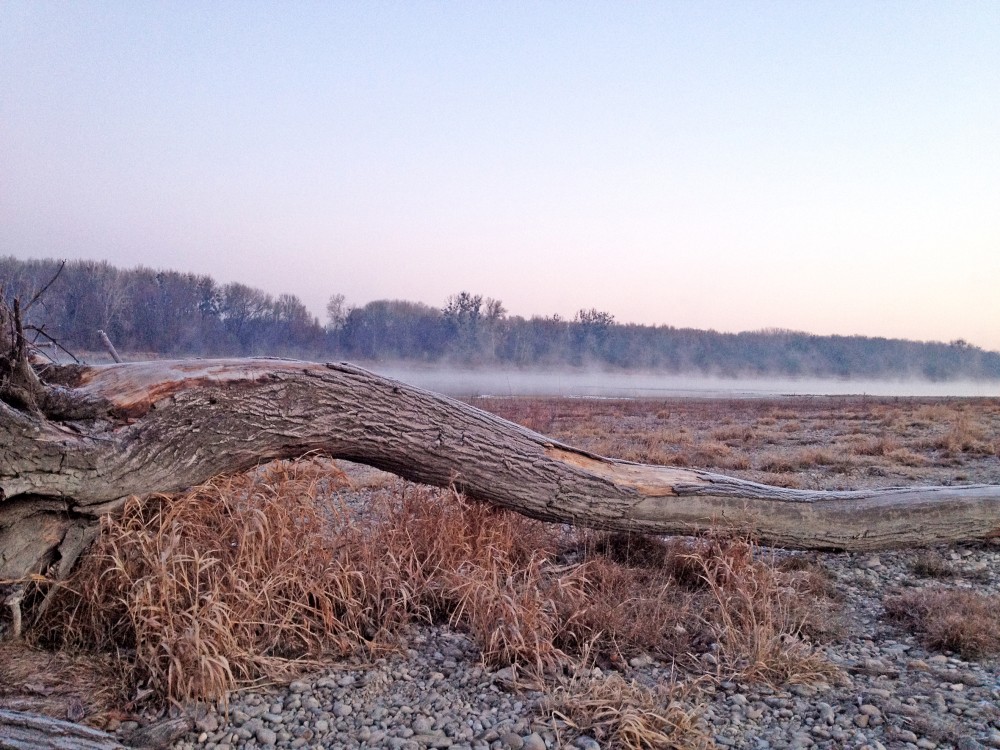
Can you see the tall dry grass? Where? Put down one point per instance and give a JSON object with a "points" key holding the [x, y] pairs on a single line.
{"points": [[232, 581], [253, 577]]}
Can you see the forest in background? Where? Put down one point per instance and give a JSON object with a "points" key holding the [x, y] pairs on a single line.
{"points": [[170, 313]]}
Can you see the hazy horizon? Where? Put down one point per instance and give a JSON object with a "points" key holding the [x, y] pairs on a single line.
{"points": [[829, 167], [603, 383]]}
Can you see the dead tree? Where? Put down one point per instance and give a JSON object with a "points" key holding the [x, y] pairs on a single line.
{"points": [[75, 441], [101, 434]]}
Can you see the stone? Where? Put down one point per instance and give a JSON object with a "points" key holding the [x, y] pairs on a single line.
{"points": [[208, 723], [266, 736], [505, 676], [422, 725], [803, 691], [431, 740]]}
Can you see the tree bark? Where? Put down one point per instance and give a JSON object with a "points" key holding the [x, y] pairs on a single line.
{"points": [[25, 731], [21, 730], [102, 433]]}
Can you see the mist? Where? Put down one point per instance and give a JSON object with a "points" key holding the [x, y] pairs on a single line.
{"points": [[463, 383]]}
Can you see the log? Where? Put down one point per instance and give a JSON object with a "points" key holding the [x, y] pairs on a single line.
{"points": [[27, 731], [104, 433], [22, 730]]}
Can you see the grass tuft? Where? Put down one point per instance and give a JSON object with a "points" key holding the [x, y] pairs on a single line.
{"points": [[932, 565], [625, 715], [950, 620], [228, 583]]}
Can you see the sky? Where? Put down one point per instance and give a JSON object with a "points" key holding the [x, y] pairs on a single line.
{"points": [[831, 167]]}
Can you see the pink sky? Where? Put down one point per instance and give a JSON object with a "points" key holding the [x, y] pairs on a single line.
{"points": [[832, 167]]}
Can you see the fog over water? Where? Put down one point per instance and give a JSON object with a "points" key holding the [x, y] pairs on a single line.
{"points": [[599, 384]]}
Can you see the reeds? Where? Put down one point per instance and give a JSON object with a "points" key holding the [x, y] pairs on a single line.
{"points": [[220, 586], [774, 440]]}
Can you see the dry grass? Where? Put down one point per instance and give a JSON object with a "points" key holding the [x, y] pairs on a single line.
{"points": [[625, 715], [226, 584], [876, 446], [963, 435], [252, 577], [932, 565], [950, 619], [256, 576], [437, 557], [703, 604], [760, 616], [839, 442]]}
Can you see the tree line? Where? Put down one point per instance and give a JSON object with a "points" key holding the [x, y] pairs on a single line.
{"points": [[159, 312]]}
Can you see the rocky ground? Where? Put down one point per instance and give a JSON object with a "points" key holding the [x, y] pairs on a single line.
{"points": [[888, 688], [889, 691]]}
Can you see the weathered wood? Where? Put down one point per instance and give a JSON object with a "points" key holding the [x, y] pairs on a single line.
{"points": [[21, 730], [26, 731], [136, 428]]}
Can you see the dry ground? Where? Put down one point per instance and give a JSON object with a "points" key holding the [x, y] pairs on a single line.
{"points": [[808, 442], [171, 617]]}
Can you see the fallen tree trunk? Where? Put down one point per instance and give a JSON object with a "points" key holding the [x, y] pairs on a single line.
{"points": [[21, 730], [95, 435], [25, 731]]}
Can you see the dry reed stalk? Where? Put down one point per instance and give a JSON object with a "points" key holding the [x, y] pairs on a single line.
{"points": [[759, 617]]}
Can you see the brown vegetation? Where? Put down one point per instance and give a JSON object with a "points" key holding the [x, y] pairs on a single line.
{"points": [[626, 715], [817, 443], [951, 620], [257, 576], [214, 588], [253, 577]]}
